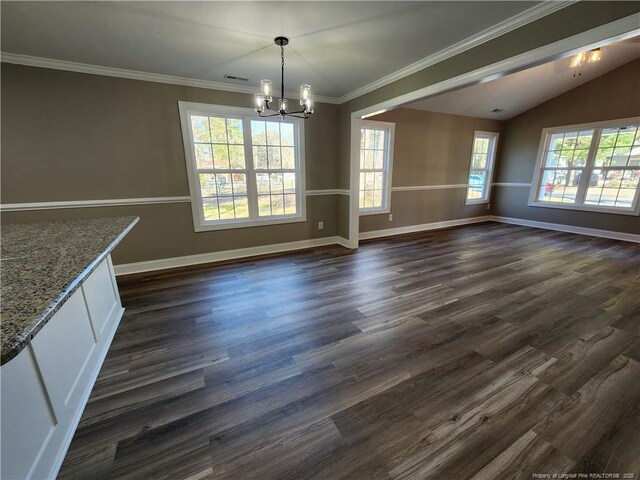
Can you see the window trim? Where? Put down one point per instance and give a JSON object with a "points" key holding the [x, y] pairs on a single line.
{"points": [[187, 109], [491, 161], [390, 127], [588, 168]]}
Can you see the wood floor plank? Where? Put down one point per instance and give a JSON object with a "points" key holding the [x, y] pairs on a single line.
{"points": [[526, 456], [101, 408], [279, 457], [600, 407], [583, 358], [488, 351]]}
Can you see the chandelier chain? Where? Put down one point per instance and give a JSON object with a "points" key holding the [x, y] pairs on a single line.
{"points": [[282, 66]]}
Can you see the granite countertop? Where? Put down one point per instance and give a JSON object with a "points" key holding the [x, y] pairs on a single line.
{"points": [[42, 264]]}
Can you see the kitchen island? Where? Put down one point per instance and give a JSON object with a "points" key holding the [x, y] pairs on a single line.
{"points": [[60, 309]]}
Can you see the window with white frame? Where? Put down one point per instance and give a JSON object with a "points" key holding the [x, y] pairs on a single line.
{"points": [[483, 157], [243, 170], [594, 167], [376, 164]]}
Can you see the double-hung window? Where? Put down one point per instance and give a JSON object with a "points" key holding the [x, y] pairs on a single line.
{"points": [[593, 167], [243, 170], [376, 165], [483, 158]]}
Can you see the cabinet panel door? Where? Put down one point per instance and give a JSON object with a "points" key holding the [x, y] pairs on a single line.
{"points": [[101, 298], [62, 349], [27, 420]]}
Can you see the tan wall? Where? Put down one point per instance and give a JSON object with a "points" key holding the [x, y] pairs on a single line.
{"points": [[72, 136], [69, 136], [343, 216], [611, 96], [430, 149], [572, 20], [166, 230]]}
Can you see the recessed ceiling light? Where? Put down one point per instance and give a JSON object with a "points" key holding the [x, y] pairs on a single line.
{"points": [[595, 56], [591, 56]]}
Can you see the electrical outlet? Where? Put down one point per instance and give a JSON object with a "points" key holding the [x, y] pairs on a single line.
{"points": [[391, 217], [320, 225], [488, 206]]}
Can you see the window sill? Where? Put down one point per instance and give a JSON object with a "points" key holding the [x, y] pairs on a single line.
{"points": [[206, 227], [587, 208], [375, 212], [476, 202]]}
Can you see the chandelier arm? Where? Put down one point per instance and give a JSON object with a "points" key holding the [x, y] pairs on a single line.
{"points": [[266, 103], [303, 111], [270, 115]]}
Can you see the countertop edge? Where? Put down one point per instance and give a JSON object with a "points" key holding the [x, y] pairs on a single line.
{"points": [[24, 339]]}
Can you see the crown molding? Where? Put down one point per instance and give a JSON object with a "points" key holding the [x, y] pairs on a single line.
{"points": [[534, 13], [512, 23], [41, 62]]}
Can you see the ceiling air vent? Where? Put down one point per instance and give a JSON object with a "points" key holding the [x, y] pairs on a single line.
{"points": [[235, 77]]}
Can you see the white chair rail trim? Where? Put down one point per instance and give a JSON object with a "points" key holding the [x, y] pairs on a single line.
{"points": [[116, 202]]}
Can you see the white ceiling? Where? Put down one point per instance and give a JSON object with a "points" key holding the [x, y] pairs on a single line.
{"points": [[518, 92], [337, 47]]}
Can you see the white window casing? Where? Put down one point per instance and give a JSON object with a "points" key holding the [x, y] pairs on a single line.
{"points": [[376, 167], [481, 166], [592, 167], [243, 170]]}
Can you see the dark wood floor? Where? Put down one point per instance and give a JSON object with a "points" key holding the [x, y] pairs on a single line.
{"points": [[484, 352]]}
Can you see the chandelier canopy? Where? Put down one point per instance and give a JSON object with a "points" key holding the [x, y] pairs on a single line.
{"points": [[264, 98]]}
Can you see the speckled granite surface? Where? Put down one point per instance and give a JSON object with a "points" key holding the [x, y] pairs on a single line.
{"points": [[42, 264]]}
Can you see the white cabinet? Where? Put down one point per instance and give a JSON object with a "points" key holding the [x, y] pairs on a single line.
{"points": [[46, 386], [101, 295], [27, 419], [62, 349]]}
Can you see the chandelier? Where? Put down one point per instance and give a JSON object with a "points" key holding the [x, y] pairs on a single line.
{"points": [[264, 98]]}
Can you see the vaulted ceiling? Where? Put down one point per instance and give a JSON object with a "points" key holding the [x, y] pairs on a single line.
{"points": [[518, 92], [337, 47]]}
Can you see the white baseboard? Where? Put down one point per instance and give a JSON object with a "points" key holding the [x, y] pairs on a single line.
{"points": [[423, 227], [344, 242], [594, 232], [174, 262]]}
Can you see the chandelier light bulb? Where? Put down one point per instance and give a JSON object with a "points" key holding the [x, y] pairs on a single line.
{"points": [[308, 104], [283, 105], [259, 103], [265, 87], [305, 94]]}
